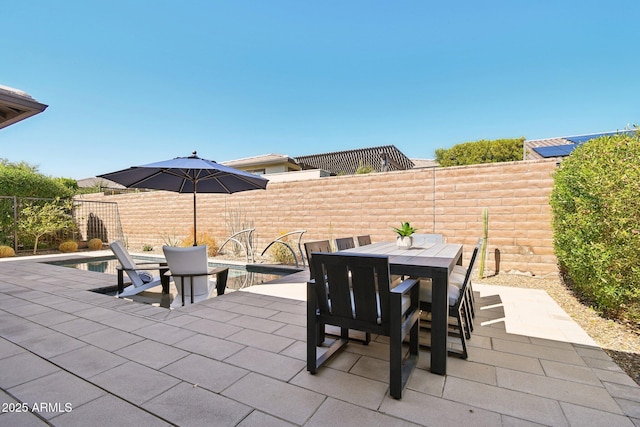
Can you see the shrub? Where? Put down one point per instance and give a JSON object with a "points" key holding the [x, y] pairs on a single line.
{"points": [[68, 247], [6, 251], [596, 222], [147, 248], [483, 151], [280, 253], [94, 244], [202, 238]]}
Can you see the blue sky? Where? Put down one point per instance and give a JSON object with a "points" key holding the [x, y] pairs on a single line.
{"points": [[133, 82]]}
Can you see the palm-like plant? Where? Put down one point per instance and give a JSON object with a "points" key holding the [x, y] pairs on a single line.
{"points": [[405, 230]]}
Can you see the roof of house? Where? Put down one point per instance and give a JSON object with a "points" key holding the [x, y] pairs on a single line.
{"points": [[382, 158], [16, 105], [266, 159], [560, 146]]}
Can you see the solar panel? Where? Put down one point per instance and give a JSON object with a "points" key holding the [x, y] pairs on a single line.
{"points": [[555, 150], [584, 138]]}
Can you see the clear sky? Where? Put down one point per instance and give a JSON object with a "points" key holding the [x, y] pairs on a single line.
{"points": [[134, 82]]}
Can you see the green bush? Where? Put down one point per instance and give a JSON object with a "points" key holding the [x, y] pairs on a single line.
{"points": [[482, 151], [596, 220]]}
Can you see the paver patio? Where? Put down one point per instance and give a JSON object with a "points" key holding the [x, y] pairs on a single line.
{"points": [[85, 358]]}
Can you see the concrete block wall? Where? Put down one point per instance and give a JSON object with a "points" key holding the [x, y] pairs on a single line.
{"points": [[441, 200]]}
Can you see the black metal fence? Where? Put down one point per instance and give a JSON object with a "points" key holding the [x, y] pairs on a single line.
{"points": [[92, 220]]}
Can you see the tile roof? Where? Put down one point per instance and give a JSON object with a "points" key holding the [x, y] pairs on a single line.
{"points": [[382, 158]]}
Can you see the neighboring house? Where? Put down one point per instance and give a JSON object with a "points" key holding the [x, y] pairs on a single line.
{"points": [[381, 159], [280, 167], [561, 146], [16, 105], [265, 164]]}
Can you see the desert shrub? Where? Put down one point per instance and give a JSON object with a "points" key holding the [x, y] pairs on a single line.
{"points": [[279, 253], [596, 223], [94, 244], [68, 247], [203, 238], [147, 248], [6, 251], [483, 151]]}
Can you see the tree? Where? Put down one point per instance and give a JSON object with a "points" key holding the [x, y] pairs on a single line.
{"points": [[37, 221], [482, 151], [24, 180], [596, 223]]}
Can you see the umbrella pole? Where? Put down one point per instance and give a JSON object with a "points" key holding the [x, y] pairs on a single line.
{"points": [[195, 225]]}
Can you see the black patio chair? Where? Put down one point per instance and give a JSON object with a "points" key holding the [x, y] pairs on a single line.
{"points": [[364, 240], [353, 291], [458, 305], [345, 243], [318, 246]]}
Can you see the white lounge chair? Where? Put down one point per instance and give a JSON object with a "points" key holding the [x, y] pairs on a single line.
{"points": [[139, 281], [190, 270]]}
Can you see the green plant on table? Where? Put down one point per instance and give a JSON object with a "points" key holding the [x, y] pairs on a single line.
{"points": [[405, 230]]}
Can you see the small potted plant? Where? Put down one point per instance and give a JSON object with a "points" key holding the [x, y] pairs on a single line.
{"points": [[404, 233]]}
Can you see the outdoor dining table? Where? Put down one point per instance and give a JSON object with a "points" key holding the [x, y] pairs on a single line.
{"points": [[425, 260]]}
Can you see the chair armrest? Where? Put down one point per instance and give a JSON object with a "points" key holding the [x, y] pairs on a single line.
{"points": [[145, 266], [405, 286]]}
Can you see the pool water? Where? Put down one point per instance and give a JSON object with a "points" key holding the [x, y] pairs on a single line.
{"points": [[238, 278]]}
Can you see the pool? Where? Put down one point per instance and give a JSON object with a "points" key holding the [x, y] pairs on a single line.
{"points": [[239, 276]]}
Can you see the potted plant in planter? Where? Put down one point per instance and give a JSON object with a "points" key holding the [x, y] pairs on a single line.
{"points": [[404, 233]]}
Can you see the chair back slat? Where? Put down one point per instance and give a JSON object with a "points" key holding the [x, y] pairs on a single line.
{"points": [[318, 246], [345, 243], [472, 264], [364, 240], [356, 286]]}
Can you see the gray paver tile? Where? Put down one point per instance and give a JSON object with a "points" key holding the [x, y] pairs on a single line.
{"points": [[256, 323], [164, 333], [506, 360], [127, 322], [22, 419], [206, 373], [88, 361], [552, 388], [282, 400], [563, 371], [187, 405], [428, 410], [51, 317], [351, 388], [584, 416], [78, 327], [7, 348], [261, 340], [500, 400], [52, 344], [60, 389], [260, 419], [336, 413], [212, 328], [215, 348], [134, 382], [108, 411], [540, 352], [23, 367], [267, 363], [152, 354], [110, 339]]}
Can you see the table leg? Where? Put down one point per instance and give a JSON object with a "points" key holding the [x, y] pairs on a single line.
{"points": [[440, 318], [164, 279], [120, 281]]}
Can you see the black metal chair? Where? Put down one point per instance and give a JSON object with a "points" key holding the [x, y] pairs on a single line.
{"points": [[352, 291], [458, 304], [318, 246], [364, 240], [345, 243]]}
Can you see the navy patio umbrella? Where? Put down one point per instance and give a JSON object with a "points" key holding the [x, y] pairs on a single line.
{"points": [[188, 175]]}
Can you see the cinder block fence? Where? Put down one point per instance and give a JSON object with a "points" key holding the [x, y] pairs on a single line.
{"points": [[441, 200]]}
